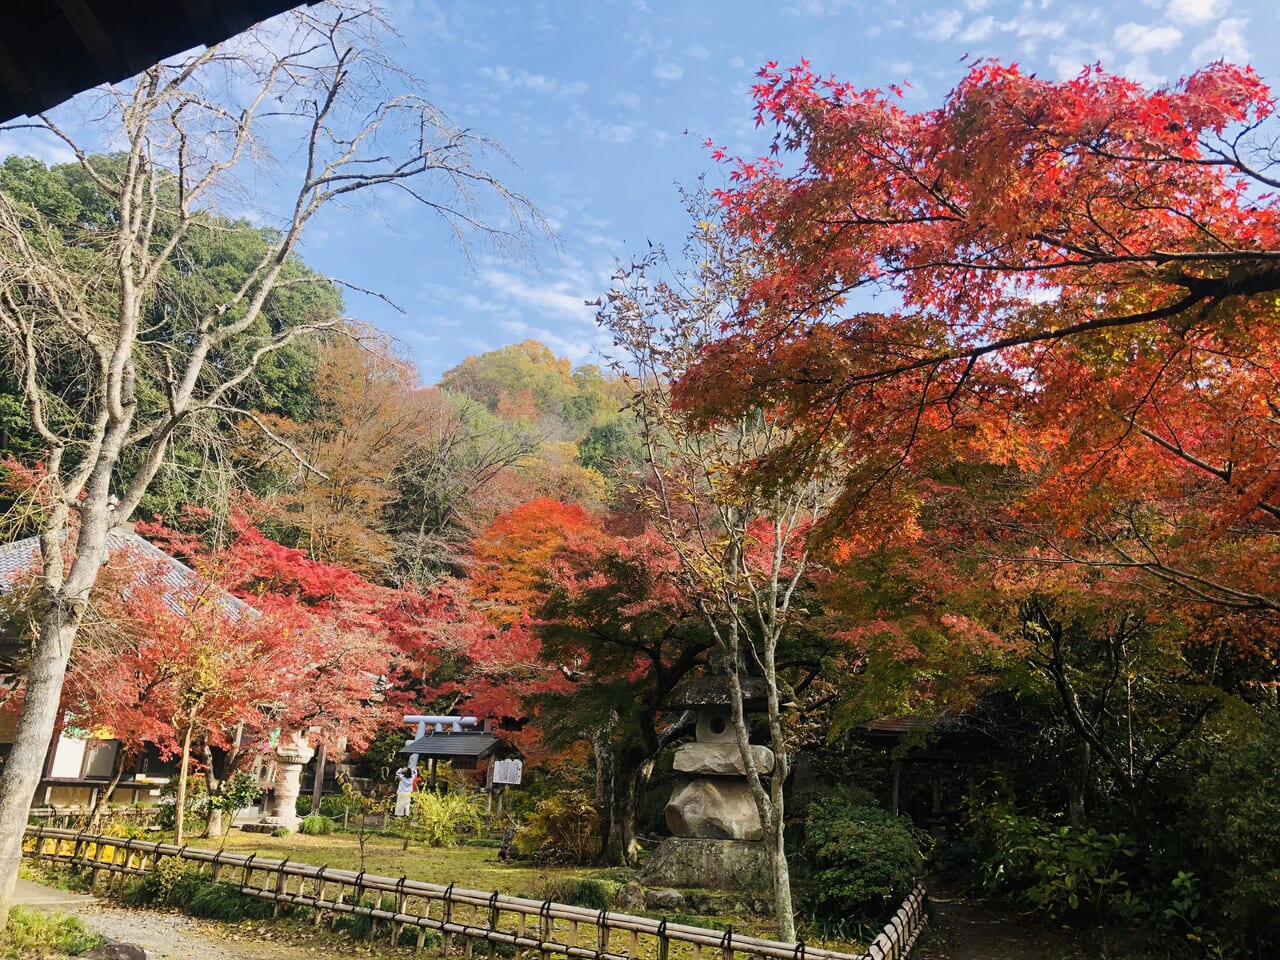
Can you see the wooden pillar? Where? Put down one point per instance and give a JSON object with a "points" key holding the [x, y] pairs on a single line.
{"points": [[317, 788]]}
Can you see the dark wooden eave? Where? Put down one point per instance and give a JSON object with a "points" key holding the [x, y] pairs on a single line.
{"points": [[51, 50]]}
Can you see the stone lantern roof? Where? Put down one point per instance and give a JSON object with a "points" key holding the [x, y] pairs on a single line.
{"points": [[712, 690]]}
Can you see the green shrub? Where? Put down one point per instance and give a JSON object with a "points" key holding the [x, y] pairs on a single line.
{"points": [[333, 806], [581, 892], [281, 832], [223, 901], [238, 791], [1054, 869], [1233, 811], [439, 819], [316, 826], [172, 883], [861, 861], [41, 933], [564, 828], [196, 806]]}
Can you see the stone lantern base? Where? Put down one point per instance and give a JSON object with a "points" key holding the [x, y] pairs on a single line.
{"points": [[718, 864]]}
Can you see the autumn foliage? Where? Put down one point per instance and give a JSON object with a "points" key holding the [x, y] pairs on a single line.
{"points": [[1070, 286]]}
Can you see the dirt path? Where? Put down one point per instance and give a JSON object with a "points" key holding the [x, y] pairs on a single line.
{"points": [[962, 929]]}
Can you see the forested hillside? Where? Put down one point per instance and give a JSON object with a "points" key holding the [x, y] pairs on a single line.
{"points": [[359, 463]]}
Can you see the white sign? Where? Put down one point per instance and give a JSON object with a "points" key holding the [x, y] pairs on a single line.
{"points": [[507, 771]]}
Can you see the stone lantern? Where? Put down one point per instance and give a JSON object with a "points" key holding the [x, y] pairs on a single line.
{"points": [[292, 754], [717, 838]]}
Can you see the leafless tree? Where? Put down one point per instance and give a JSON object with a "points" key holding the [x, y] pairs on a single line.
{"points": [[193, 131], [743, 551]]}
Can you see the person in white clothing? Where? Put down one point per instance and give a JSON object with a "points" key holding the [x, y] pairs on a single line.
{"points": [[406, 781]]}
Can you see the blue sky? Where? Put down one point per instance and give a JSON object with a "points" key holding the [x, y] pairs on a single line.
{"points": [[604, 106]]}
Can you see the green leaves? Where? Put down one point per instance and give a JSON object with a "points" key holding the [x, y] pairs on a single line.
{"points": [[860, 861], [1057, 870]]}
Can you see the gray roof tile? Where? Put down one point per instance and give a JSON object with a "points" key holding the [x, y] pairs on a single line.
{"points": [[23, 556]]}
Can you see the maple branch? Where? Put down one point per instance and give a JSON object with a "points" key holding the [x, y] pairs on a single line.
{"points": [[302, 460]]}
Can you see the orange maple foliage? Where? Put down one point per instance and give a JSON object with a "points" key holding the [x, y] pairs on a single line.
{"points": [[512, 555], [1078, 286], [371, 414]]}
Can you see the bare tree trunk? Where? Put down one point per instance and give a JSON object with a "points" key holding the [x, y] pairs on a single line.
{"points": [[1080, 786], [118, 763], [180, 804], [317, 787], [22, 769], [213, 825], [618, 833], [784, 908], [602, 753]]}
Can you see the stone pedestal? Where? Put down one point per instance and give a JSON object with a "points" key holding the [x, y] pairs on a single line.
{"points": [[292, 754], [717, 864]]}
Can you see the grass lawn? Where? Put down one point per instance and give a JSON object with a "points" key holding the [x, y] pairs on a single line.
{"points": [[478, 868], [472, 867]]}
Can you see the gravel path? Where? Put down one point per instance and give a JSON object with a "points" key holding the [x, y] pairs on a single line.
{"points": [[172, 935]]}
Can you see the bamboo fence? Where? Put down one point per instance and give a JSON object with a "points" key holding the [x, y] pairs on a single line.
{"points": [[460, 917]]}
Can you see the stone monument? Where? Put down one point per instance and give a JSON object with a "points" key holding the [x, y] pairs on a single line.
{"points": [[717, 838]]}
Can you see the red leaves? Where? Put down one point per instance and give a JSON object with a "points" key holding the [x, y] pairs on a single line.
{"points": [[1079, 282], [319, 651]]}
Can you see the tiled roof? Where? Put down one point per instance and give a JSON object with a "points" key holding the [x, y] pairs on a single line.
{"points": [[23, 556], [896, 726], [444, 745]]}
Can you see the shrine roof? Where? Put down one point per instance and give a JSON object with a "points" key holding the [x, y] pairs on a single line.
{"points": [[445, 744]]}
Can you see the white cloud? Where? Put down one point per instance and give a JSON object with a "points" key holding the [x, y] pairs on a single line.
{"points": [[943, 25], [32, 143], [1195, 11], [668, 72], [978, 30], [1139, 69], [1227, 43], [818, 8], [1139, 39], [697, 52], [559, 298], [617, 133], [509, 80], [1042, 29]]}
